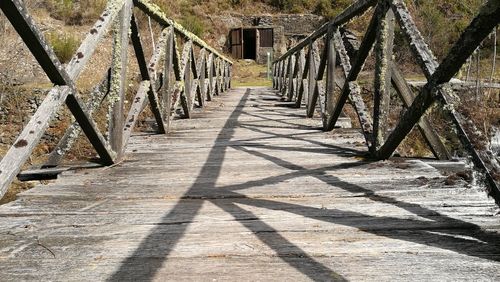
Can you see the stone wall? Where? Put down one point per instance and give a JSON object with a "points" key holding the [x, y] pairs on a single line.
{"points": [[294, 24], [288, 29]]}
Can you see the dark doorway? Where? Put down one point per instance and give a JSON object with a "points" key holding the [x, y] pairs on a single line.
{"points": [[249, 44]]}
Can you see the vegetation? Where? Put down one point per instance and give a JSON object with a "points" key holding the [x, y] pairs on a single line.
{"points": [[248, 73], [193, 24], [64, 45], [75, 12]]}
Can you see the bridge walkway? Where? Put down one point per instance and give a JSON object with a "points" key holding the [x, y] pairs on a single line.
{"points": [[250, 190]]}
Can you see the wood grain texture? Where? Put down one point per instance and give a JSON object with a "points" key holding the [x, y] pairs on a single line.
{"points": [[249, 189]]}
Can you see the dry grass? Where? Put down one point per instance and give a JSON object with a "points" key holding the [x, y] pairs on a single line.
{"points": [[249, 73]]}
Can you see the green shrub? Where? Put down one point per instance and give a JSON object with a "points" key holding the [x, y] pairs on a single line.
{"points": [[64, 45], [193, 24], [60, 9], [76, 12]]}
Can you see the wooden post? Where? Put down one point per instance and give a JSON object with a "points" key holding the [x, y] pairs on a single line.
{"points": [[314, 62], [201, 78], [354, 96], [118, 78], [291, 71], [148, 74], [65, 144], [194, 79], [167, 73], [330, 76], [186, 75], [382, 82], [278, 68], [274, 75], [362, 54], [300, 78], [282, 75], [293, 81], [210, 76], [230, 75]]}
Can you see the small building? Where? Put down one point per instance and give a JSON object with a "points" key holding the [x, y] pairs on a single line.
{"points": [[254, 43], [270, 34]]}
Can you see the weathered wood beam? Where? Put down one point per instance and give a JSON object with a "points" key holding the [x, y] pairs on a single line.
{"points": [[382, 82], [360, 59], [331, 59], [93, 38], [168, 70], [288, 90], [352, 11], [311, 75], [230, 76], [404, 91], [136, 108], [432, 139], [354, 96], [145, 86], [216, 77], [146, 75], [275, 75], [118, 88], [459, 84], [32, 36], [301, 75], [186, 100], [210, 66], [321, 61], [90, 129], [314, 62], [201, 70], [73, 132], [295, 74], [474, 34], [283, 76], [303, 87], [223, 76], [26, 142], [196, 70], [425, 58]]}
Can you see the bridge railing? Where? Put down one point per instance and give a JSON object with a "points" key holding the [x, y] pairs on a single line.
{"points": [[188, 78], [306, 74]]}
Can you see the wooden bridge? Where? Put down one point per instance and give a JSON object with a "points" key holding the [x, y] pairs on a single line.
{"points": [[237, 184]]}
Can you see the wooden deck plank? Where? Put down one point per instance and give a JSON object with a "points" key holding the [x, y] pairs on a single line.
{"points": [[251, 190]]}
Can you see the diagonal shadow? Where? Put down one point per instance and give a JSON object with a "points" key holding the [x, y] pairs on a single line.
{"points": [[139, 266], [451, 233], [297, 138], [284, 249]]}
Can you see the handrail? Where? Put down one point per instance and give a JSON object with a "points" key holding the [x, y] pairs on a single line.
{"points": [[299, 76], [197, 78], [345, 16]]}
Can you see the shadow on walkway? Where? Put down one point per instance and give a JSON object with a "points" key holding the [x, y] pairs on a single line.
{"points": [[438, 230]]}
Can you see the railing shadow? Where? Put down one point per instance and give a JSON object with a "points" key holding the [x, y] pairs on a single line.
{"points": [[434, 230], [140, 267]]}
